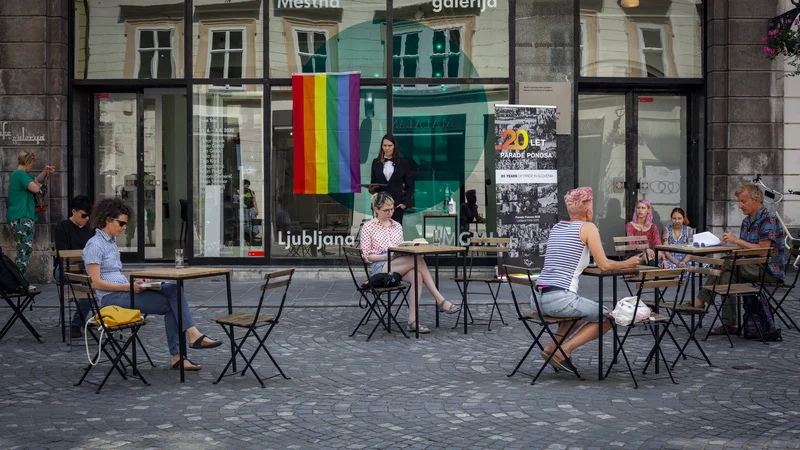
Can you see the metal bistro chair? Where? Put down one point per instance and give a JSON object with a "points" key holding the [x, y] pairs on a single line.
{"points": [[19, 300], [377, 301], [629, 245], [648, 279], [526, 277], [732, 291], [252, 322], [498, 246], [115, 349], [771, 289]]}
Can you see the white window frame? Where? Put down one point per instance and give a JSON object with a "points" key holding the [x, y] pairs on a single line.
{"points": [[662, 36], [227, 49], [297, 54], [172, 50], [425, 53], [584, 48]]}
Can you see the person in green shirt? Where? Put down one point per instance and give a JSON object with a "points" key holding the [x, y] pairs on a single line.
{"points": [[22, 206]]}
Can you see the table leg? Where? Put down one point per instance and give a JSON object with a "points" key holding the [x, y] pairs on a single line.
{"points": [[600, 331], [436, 271], [61, 301], [464, 292], [230, 311], [416, 297], [613, 305], [181, 333], [133, 344]]}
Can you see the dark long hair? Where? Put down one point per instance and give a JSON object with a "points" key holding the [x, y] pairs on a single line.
{"points": [[390, 138], [109, 208]]}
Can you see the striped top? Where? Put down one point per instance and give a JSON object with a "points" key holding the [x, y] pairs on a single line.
{"points": [[566, 257], [102, 249]]}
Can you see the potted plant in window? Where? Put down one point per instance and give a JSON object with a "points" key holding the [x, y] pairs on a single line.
{"points": [[783, 40]]}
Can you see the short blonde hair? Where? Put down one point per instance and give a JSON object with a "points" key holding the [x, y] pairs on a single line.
{"points": [[752, 191], [578, 201], [25, 157], [380, 199]]}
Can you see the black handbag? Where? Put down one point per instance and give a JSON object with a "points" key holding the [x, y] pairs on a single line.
{"points": [[382, 280]]}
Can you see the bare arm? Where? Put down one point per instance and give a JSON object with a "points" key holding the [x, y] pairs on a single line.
{"points": [[591, 236], [98, 283], [34, 187]]}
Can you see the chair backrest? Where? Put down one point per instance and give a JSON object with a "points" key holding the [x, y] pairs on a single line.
{"points": [[184, 209], [630, 243], [354, 260], [523, 276], [274, 280], [659, 280], [83, 284], [753, 257], [499, 246], [794, 252]]}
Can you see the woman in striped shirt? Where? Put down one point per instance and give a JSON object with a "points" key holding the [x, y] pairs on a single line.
{"points": [[568, 249]]}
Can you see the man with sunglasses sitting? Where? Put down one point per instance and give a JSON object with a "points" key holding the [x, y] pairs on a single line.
{"points": [[72, 234]]}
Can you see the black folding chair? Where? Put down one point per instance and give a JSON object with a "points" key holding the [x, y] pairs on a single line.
{"points": [[108, 344], [658, 280], [525, 277], [498, 246], [253, 322], [377, 301], [19, 300], [732, 290], [771, 289]]}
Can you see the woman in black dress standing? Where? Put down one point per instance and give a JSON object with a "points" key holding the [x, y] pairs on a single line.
{"points": [[389, 169]]}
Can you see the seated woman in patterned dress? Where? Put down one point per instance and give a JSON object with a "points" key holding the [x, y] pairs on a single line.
{"points": [[677, 234], [383, 232], [641, 224]]}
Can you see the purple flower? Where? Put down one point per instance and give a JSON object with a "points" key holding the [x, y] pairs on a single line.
{"points": [[763, 39], [788, 20]]}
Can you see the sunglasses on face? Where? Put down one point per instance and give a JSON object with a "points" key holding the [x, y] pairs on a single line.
{"points": [[83, 216], [122, 223]]}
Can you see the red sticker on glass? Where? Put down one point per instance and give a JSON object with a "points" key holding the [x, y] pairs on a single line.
{"points": [[261, 253], [102, 95], [646, 100]]}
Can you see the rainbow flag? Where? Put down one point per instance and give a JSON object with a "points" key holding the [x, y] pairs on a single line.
{"points": [[325, 110]]}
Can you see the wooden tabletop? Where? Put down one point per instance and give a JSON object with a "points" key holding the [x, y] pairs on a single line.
{"points": [[427, 249], [595, 271], [691, 250], [439, 215], [64, 254], [176, 274]]}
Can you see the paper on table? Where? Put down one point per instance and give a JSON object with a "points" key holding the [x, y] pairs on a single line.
{"points": [[706, 239]]}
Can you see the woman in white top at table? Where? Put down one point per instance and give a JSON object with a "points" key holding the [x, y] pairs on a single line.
{"points": [[383, 232], [102, 260], [568, 248]]}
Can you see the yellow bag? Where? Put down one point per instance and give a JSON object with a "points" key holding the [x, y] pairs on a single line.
{"points": [[114, 316]]}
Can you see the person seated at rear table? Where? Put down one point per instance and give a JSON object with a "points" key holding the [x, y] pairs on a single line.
{"points": [[73, 234], [760, 229], [641, 224], [383, 232], [102, 260], [677, 234], [568, 248], [469, 211]]}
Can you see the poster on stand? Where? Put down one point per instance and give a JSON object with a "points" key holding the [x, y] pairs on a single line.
{"points": [[526, 178]]}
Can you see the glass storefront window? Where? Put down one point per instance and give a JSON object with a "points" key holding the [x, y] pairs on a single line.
{"points": [[447, 132], [228, 179], [115, 39], [436, 41], [310, 36], [316, 226], [227, 39], [656, 39]]}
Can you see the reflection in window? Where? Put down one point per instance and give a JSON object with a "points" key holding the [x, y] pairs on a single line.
{"points": [[428, 52], [154, 53], [651, 43], [312, 50], [226, 55], [229, 178]]}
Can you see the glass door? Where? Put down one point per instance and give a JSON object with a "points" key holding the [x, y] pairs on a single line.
{"points": [[153, 189], [116, 142], [632, 146]]}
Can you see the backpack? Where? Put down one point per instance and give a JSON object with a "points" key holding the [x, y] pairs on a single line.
{"points": [[11, 279], [382, 280], [760, 318]]}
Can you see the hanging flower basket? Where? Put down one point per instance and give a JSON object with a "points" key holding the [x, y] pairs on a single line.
{"points": [[783, 40]]}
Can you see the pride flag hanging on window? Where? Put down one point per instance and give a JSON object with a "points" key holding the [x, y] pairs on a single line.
{"points": [[325, 122]]}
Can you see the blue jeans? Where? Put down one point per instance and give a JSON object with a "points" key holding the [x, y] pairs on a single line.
{"points": [[163, 302]]}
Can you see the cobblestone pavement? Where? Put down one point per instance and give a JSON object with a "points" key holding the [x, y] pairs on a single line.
{"points": [[446, 390]]}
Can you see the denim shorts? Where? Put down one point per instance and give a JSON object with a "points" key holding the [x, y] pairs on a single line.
{"points": [[568, 304], [377, 266]]}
